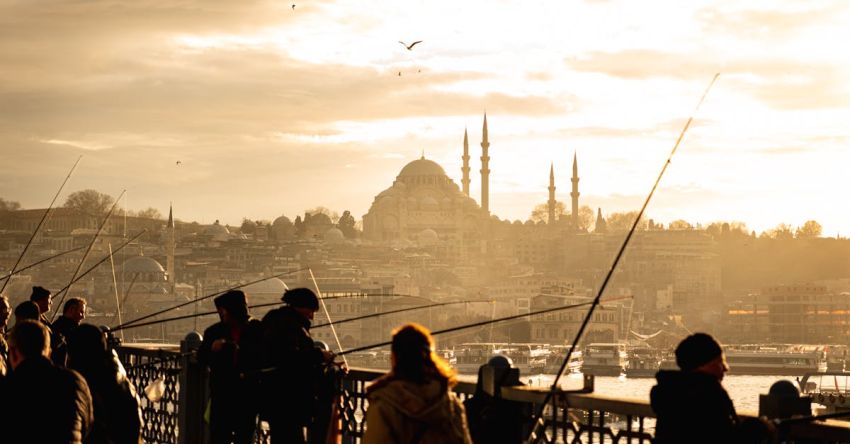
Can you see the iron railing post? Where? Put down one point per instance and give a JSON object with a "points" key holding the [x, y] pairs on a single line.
{"points": [[193, 394]]}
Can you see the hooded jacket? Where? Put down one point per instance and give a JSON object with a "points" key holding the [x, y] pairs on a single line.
{"points": [[692, 407], [409, 413]]}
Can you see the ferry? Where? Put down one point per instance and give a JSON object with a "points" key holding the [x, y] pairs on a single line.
{"points": [[605, 359], [643, 363], [556, 358], [774, 360], [530, 359]]}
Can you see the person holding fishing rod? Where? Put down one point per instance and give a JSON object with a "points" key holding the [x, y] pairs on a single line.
{"points": [[294, 366], [691, 404], [233, 350]]}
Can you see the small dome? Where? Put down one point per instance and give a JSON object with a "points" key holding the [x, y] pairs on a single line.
{"points": [[142, 264], [282, 220], [216, 229], [273, 286], [334, 236], [386, 193], [422, 167], [446, 202], [427, 237], [399, 185]]}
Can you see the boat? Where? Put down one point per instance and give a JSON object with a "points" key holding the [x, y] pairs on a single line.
{"points": [[605, 359], [775, 360], [643, 363], [830, 389], [472, 355], [530, 359], [556, 359]]}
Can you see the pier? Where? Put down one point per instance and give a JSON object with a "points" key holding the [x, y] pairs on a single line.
{"points": [[572, 417]]}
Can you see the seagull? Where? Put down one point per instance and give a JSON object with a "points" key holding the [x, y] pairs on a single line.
{"points": [[410, 46], [293, 6], [399, 73], [179, 163]]}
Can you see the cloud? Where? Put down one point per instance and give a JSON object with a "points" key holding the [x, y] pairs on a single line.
{"points": [[771, 25]]}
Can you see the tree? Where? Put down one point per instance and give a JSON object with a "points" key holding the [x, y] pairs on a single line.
{"points": [[9, 205], [624, 221], [810, 229], [540, 213], [90, 202], [680, 224], [248, 226], [586, 217], [346, 225], [781, 231], [150, 213]]}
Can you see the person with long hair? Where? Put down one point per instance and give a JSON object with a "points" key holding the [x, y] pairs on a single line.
{"points": [[414, 403]]}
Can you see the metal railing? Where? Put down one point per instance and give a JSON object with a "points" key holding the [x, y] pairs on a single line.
{"points": [[571, 417]]}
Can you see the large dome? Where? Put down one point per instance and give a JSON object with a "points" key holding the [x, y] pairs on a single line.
{"points": [[422, 167], [142, 264]]}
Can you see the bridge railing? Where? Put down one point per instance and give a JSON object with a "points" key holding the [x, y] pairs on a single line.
{"points": [[570, 417]]}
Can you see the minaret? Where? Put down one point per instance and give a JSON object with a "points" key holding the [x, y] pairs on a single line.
{"points": [[485, 170], [552, 194], [574, 193], [169, 265], [465, 169], [601, 225]]}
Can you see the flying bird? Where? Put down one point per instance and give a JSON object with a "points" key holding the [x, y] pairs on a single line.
{"points": [[179, 163], [410, 46], [293, 7]]}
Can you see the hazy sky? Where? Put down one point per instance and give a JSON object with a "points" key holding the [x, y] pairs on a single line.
{"points": [[273, 110]]}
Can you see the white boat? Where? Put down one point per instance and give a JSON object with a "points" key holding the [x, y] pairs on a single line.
{"points": [[472, 355], [774, 360], [643, 363], [605, 359], [530, 359], [556, 359]]}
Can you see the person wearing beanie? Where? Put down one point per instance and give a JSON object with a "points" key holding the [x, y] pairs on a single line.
{"points": [[691, 405], [233, 350], [295, 364]]}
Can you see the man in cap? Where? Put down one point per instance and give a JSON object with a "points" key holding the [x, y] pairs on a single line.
{"points": [[295, 366], [44, 300], [691, 404], [233, 350]]}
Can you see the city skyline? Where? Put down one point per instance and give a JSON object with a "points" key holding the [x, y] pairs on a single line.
{"points": [[272, 110]]}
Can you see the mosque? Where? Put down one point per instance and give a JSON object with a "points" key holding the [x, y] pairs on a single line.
{"points": [[425, 206]]}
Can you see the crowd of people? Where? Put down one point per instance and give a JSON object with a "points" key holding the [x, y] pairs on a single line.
{"points": [[271, 369]]}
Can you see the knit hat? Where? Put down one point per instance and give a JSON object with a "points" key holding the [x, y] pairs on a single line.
{"points": [[39, 293], [696, 350], [301, 298], [235, 302]]}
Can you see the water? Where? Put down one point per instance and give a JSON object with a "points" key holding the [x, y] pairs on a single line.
{"points": [[743, 389]]}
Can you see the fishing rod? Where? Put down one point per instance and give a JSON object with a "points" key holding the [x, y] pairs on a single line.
{"points": [[166, 310], [328, 315], [85, 255], [487, 322], [538, 421], [104, 259], [400, 310], [40, 223], [19, 270], [269, 304]]}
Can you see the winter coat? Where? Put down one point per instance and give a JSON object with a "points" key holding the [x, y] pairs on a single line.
{"points": [[692, 407], [117, 411], [235, 367], [404, 412], [295, 366], [46, 403]]}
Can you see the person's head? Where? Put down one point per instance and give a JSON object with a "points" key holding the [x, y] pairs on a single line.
{"points": [[26, 310], [413, 357], [303, 301], [86, 346], [701, 353], [75, 309], [5, 312], [42, 297], [232, 306], [29, 339]]}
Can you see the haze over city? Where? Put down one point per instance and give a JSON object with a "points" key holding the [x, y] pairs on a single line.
{"points": [[257, 108]]}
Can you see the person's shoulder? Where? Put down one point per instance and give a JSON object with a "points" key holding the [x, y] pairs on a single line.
{"points": [[213, 329]]}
